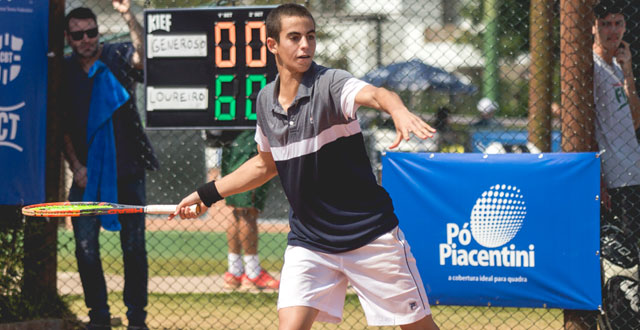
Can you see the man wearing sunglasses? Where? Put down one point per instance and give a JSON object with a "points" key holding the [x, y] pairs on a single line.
{"points": [[108, 153]]}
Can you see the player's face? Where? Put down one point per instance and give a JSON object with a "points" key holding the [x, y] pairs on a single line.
{"points": [[297, 43], [81, 36], [609, 30]]}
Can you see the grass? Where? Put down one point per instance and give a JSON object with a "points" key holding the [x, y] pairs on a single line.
{"points": [[179, 253], [258, 311], [174, 253]]}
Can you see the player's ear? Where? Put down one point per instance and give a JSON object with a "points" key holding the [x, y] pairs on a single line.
{"points": [[272, 45]]}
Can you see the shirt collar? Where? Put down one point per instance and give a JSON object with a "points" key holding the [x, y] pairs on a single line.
{"points": [[304, 90]]}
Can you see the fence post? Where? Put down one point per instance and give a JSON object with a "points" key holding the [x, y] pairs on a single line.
{"points": [[576, 84], [540, 83], [491, 75], [40, 237]]}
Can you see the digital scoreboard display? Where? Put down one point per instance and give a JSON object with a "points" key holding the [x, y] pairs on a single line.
{"points": [[204, 67]]}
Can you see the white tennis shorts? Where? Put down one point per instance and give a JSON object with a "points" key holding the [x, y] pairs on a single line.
{"points": [[383, 273]]}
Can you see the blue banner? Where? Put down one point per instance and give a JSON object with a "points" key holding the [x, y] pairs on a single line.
{"points": [[501, 230], [23, 100]]}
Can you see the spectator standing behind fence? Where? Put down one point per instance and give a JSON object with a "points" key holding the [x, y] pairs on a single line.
{"points": [[242, 230], [617, 116], [108, 152], [343, 227]]}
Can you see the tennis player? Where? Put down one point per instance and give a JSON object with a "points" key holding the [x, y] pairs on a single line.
{"points": [[343, 227]]}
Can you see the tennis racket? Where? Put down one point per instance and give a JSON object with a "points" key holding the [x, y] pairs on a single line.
{"points": [[80, 209]]}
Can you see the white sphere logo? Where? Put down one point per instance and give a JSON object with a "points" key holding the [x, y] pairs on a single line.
{"points": [[497, 215]]}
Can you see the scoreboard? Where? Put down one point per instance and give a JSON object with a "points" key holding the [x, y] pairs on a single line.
{"points": [[204, 67]]}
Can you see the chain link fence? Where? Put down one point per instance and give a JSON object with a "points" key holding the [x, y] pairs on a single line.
{"points": [[492, 76]]}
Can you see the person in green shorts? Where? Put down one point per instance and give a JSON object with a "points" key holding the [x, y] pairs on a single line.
{"points": [[242, 232]]}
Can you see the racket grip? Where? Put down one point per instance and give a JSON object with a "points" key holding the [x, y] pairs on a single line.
{"points": [[168, 209]]}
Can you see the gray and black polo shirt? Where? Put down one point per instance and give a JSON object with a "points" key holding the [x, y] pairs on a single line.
{"points": [[318, 148]]}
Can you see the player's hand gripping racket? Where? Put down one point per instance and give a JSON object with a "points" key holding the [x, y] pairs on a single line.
{"points": [[80, 209]]}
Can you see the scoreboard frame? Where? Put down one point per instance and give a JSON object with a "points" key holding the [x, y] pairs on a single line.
{"points": [[203, 67]]}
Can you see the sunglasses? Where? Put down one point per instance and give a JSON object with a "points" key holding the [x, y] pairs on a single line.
{"points": [[78, 35]]}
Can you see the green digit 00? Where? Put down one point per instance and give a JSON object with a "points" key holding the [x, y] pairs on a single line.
{"points": [[251, 96], [220, 99]]}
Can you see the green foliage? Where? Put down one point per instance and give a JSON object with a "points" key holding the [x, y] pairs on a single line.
{"points": [[512, 26], [11, 253], [513, 22], [181, 3], [321, 5], [516, 105], [338, 60], [16, 305]]}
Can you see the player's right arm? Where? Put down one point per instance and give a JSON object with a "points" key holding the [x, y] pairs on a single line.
{"points": [[250, 175]]}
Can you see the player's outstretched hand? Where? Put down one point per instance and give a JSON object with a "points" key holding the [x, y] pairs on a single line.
{"points": [[185, 212], [407, 123]]}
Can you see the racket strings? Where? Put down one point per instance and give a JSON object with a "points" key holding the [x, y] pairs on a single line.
{"points": [[64, 208]]}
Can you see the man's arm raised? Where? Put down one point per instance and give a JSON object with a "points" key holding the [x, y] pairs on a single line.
{"points": [[135, 31]]}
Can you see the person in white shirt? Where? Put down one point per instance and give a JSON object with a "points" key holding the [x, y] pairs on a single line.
{"points": [[617, 116]]}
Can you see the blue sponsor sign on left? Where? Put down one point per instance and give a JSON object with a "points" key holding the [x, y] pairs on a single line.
{"points": [[23, 100], [518, 230]]}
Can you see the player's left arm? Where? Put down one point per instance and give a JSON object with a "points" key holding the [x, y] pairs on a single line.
{"points": [[404, 120], [623, 57], [135, 31]]}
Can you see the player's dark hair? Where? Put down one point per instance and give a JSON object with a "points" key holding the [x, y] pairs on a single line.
{"points": [[606, 7], [79, 13], [275, 16]]}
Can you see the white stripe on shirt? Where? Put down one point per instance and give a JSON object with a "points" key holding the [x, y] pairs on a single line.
{"points": [[348, 96], [314, 144]]}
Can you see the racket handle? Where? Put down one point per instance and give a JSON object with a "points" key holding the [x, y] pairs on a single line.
{"points": [[167, 209]]}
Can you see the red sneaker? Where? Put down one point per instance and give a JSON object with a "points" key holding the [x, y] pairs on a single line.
{"points": [[263, 281], [231, 281]]}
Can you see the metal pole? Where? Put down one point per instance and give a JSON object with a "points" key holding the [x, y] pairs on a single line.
{"points": [[491, 75], [576, 75], [576, 81], [541, 69], [379, 20]]}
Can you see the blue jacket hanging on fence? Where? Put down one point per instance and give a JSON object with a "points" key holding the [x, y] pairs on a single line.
{"points": [[106, 97]]}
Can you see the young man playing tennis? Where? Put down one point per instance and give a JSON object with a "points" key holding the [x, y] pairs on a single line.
{"points": [[343, 228]]}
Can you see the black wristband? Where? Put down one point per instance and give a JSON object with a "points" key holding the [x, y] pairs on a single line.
{"points": [[209, 193]]}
